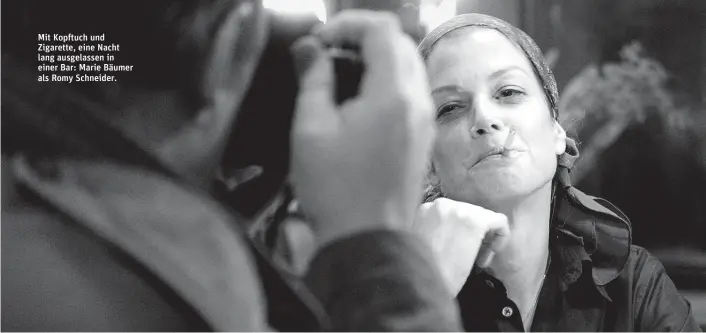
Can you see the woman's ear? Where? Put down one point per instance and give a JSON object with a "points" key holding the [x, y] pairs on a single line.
{"points": [[560, 138], [431, 176]]}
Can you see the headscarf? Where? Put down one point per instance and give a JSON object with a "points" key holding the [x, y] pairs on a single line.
{"points": [[535, 56]]}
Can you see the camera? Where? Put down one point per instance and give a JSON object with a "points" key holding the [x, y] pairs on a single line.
{"points": [[261, 134]]}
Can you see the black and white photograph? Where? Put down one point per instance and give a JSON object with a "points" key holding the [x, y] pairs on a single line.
{"points": [[353, 165]]}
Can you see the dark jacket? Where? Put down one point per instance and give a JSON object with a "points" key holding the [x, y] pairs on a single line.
{"points": [[97, 246], [597, 280], [95, 237]]}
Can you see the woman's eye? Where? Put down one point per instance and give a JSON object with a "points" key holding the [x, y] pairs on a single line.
{"points": [[510, 94], [447, 108]]}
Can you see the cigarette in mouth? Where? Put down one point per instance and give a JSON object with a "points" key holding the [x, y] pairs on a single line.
{"points": [[510, 138]]}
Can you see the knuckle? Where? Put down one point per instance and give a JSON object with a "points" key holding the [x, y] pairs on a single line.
{"points": [[399, 103], [387, 21], [426, 110], [438, 210], [404, 101], [439, 202], [407, 45], [431, 131], [501, 218]]}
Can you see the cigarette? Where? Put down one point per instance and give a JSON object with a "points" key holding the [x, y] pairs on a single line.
{"points": [[488, 259], [510, 138]]}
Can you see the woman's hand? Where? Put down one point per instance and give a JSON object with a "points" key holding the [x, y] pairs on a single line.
{"points": [[460, 235]]}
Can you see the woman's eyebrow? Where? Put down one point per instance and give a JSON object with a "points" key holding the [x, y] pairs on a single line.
{"points": [[447, 88], [506, 70]]}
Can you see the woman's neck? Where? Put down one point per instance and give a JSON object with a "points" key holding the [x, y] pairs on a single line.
{"points": [[522, 264]]}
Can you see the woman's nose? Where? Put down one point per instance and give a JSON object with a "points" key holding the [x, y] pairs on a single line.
{"points": [[485, 122]]}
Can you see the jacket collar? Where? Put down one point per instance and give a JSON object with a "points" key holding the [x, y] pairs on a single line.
{"points": [[603, 232], [599, 234]]}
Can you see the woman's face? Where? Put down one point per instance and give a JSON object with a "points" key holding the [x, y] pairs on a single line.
{"points": [[484, 86]]}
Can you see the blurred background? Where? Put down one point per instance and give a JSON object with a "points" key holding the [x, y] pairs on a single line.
{"points": [[632, 80]]}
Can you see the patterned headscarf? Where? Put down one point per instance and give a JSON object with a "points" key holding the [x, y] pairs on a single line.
{"points": [[531, 51]]}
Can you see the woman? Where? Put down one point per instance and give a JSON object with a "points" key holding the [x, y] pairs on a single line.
{"points": [[555, 259]]}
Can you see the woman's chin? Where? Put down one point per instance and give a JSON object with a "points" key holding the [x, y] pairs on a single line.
{"points": [[493, 185], [486, 192], [501, 188], [502, 181], [499, 192]]}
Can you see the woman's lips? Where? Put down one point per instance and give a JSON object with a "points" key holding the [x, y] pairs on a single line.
{"points": [[498, 153]]}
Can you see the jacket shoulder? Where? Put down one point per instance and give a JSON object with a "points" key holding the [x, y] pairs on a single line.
{"points": [[179, 236], [655, 301], [58, 276], [600, 205], [642, 262]]}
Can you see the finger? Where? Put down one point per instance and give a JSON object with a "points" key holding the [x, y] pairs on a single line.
{"points": [[425, 206], [421, 216], [495, 240], [374, 32], [498, 233], [444, 201], [315, 102], [470, 211]]}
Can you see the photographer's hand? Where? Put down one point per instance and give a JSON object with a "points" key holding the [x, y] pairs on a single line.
{"points": [[358, 166], [357, 169]]}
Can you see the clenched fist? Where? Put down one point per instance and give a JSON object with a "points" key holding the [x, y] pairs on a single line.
{"points": [[460, 235]]}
